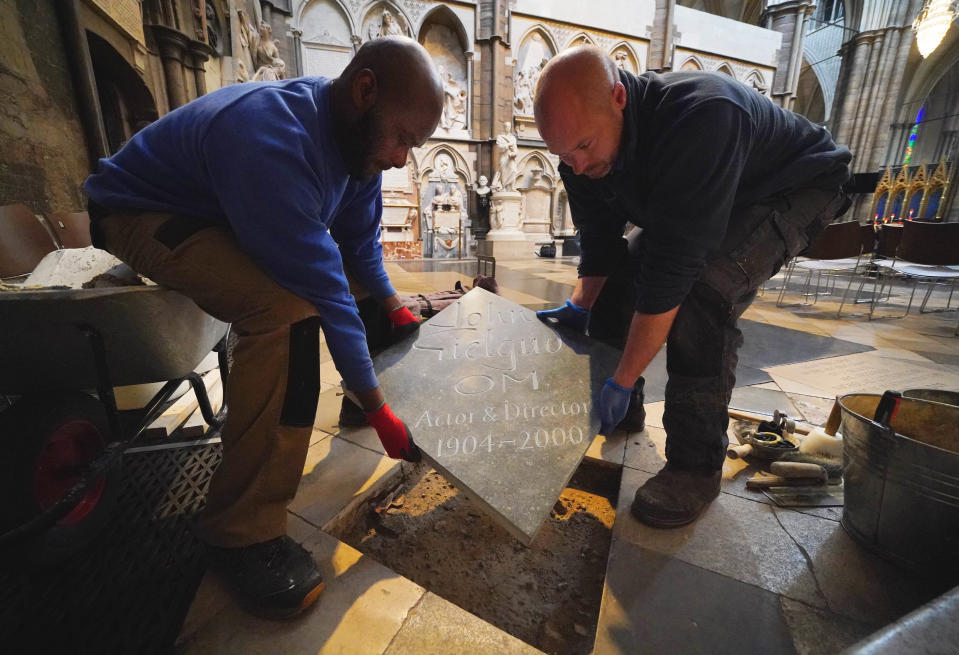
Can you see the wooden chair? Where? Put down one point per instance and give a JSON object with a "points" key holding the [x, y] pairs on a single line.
{"points": [[71, 228], [24, 240], [837, 250]]}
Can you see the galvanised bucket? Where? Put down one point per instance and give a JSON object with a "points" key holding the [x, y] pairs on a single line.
{"points": [[902, 481]]}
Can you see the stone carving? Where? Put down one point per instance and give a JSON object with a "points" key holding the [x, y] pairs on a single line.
{"points": [[444, 167], [526, 88], [387, 27], [271, 73], [622, 60], [242, 74], [267, 60], [248, 37], [496, 215], [454, 104], [505, 178], [490, 395], [482, 190]]}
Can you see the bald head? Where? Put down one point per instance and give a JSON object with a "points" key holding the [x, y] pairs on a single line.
{"points": [[403, 72], [578, 107], [387, 100], [584, 76]]}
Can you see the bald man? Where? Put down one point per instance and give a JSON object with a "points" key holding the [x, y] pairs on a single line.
{"points": [[254, 200], [723, 187]]}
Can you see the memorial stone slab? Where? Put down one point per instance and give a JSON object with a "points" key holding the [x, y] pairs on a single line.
{"points": [[499, 403]]}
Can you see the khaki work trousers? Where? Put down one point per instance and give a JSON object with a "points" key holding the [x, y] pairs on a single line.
{"points": [[274, 383]]}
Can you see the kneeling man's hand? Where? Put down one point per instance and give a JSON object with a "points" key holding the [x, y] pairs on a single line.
{"points": [[393, 434], [404, 323], [569, 315], [613, 404]]}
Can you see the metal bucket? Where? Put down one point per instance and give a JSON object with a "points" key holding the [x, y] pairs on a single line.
{"points": [[933, 395], [902, 481]]}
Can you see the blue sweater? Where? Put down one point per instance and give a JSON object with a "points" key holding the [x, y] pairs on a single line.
{"points": [[260, 158]]}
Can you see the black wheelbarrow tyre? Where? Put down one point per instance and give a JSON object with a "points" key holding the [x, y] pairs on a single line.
{"points": [[71, 420]]}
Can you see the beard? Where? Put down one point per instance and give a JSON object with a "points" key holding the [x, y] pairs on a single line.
{"points": [[358, 143]]}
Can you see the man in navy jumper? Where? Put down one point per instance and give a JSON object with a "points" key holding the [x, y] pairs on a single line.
{"points": [[256, 200], [723, 187]]}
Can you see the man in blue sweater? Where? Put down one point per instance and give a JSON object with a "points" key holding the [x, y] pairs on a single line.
{"points": [[255, 201], [723, 187]]}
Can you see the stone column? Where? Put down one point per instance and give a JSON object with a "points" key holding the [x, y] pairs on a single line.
{"points": [[173, 46], [659, 56], [468, 122], [789, 19], [855, 56], [297, 53], [199, 53]]}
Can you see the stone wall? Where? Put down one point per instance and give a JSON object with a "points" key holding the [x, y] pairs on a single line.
{"points": [[43, 157]]}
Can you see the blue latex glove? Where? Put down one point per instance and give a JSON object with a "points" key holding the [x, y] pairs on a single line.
{"points": [[613, 403], [570, 315]]}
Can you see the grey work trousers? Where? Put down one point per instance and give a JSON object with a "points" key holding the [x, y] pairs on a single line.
{"points": [[703, 343]]}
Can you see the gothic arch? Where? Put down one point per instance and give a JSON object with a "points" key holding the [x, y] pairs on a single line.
{"points": [[581, 38], [726, 70], [376, 9], [544, 33], [692, 63], [301, 9], [525, 164], [426, 163], [443, 15], [624, 46]]}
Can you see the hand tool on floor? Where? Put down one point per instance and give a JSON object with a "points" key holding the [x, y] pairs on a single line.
{"points": [[770, 440]]}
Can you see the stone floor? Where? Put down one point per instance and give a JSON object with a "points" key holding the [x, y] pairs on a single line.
{"points": [[747, 577]]}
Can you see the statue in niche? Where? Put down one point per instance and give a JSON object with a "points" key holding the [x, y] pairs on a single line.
{"points": [[387, 27], [505, 177], [757, 83], [444, 167], [526, 87], [271, 73], [266, 50], [456, 197], [454, 104], [523, 100], [242, 74], [496, 215], [483, 191], [248, 36], [622, 60]]}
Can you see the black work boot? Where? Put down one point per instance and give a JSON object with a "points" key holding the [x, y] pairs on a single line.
{"points": [[351, 414], [276, 579], [635, 420], [674, 497]]}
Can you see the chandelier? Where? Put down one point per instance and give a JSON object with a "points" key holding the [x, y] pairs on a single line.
{"points": [[932, 23]]}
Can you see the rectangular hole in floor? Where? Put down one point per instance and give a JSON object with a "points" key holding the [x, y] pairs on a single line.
{"points": [[547, 595]]}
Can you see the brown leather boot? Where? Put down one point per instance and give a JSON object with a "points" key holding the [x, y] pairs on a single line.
{"points": [[674, 497]]}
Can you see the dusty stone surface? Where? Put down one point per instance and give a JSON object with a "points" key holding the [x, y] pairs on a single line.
{"points": [[547, 595]]}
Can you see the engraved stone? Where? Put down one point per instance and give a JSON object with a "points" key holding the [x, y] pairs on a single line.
{"points": [[499, 403]]}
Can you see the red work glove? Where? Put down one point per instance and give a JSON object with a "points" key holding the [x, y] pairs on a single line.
{"points": [[393, 434], [404, 323]]}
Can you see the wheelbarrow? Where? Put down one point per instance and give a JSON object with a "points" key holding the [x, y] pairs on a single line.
{"points": [[61, 354]]}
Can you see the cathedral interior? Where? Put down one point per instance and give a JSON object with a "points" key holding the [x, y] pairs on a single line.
{"points": [[78, 78]]}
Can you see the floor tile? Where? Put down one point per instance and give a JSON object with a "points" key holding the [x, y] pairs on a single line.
{"points": [[818, 632], [868, 372], [328, 411], [734, 537], [438, 627], [335, 472], [774, 345], [611, 449], [762, 401], [653, 603], [361, 610], [364, 437]]}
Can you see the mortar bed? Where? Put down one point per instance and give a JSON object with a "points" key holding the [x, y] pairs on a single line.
{"points": [[547, 595]]}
